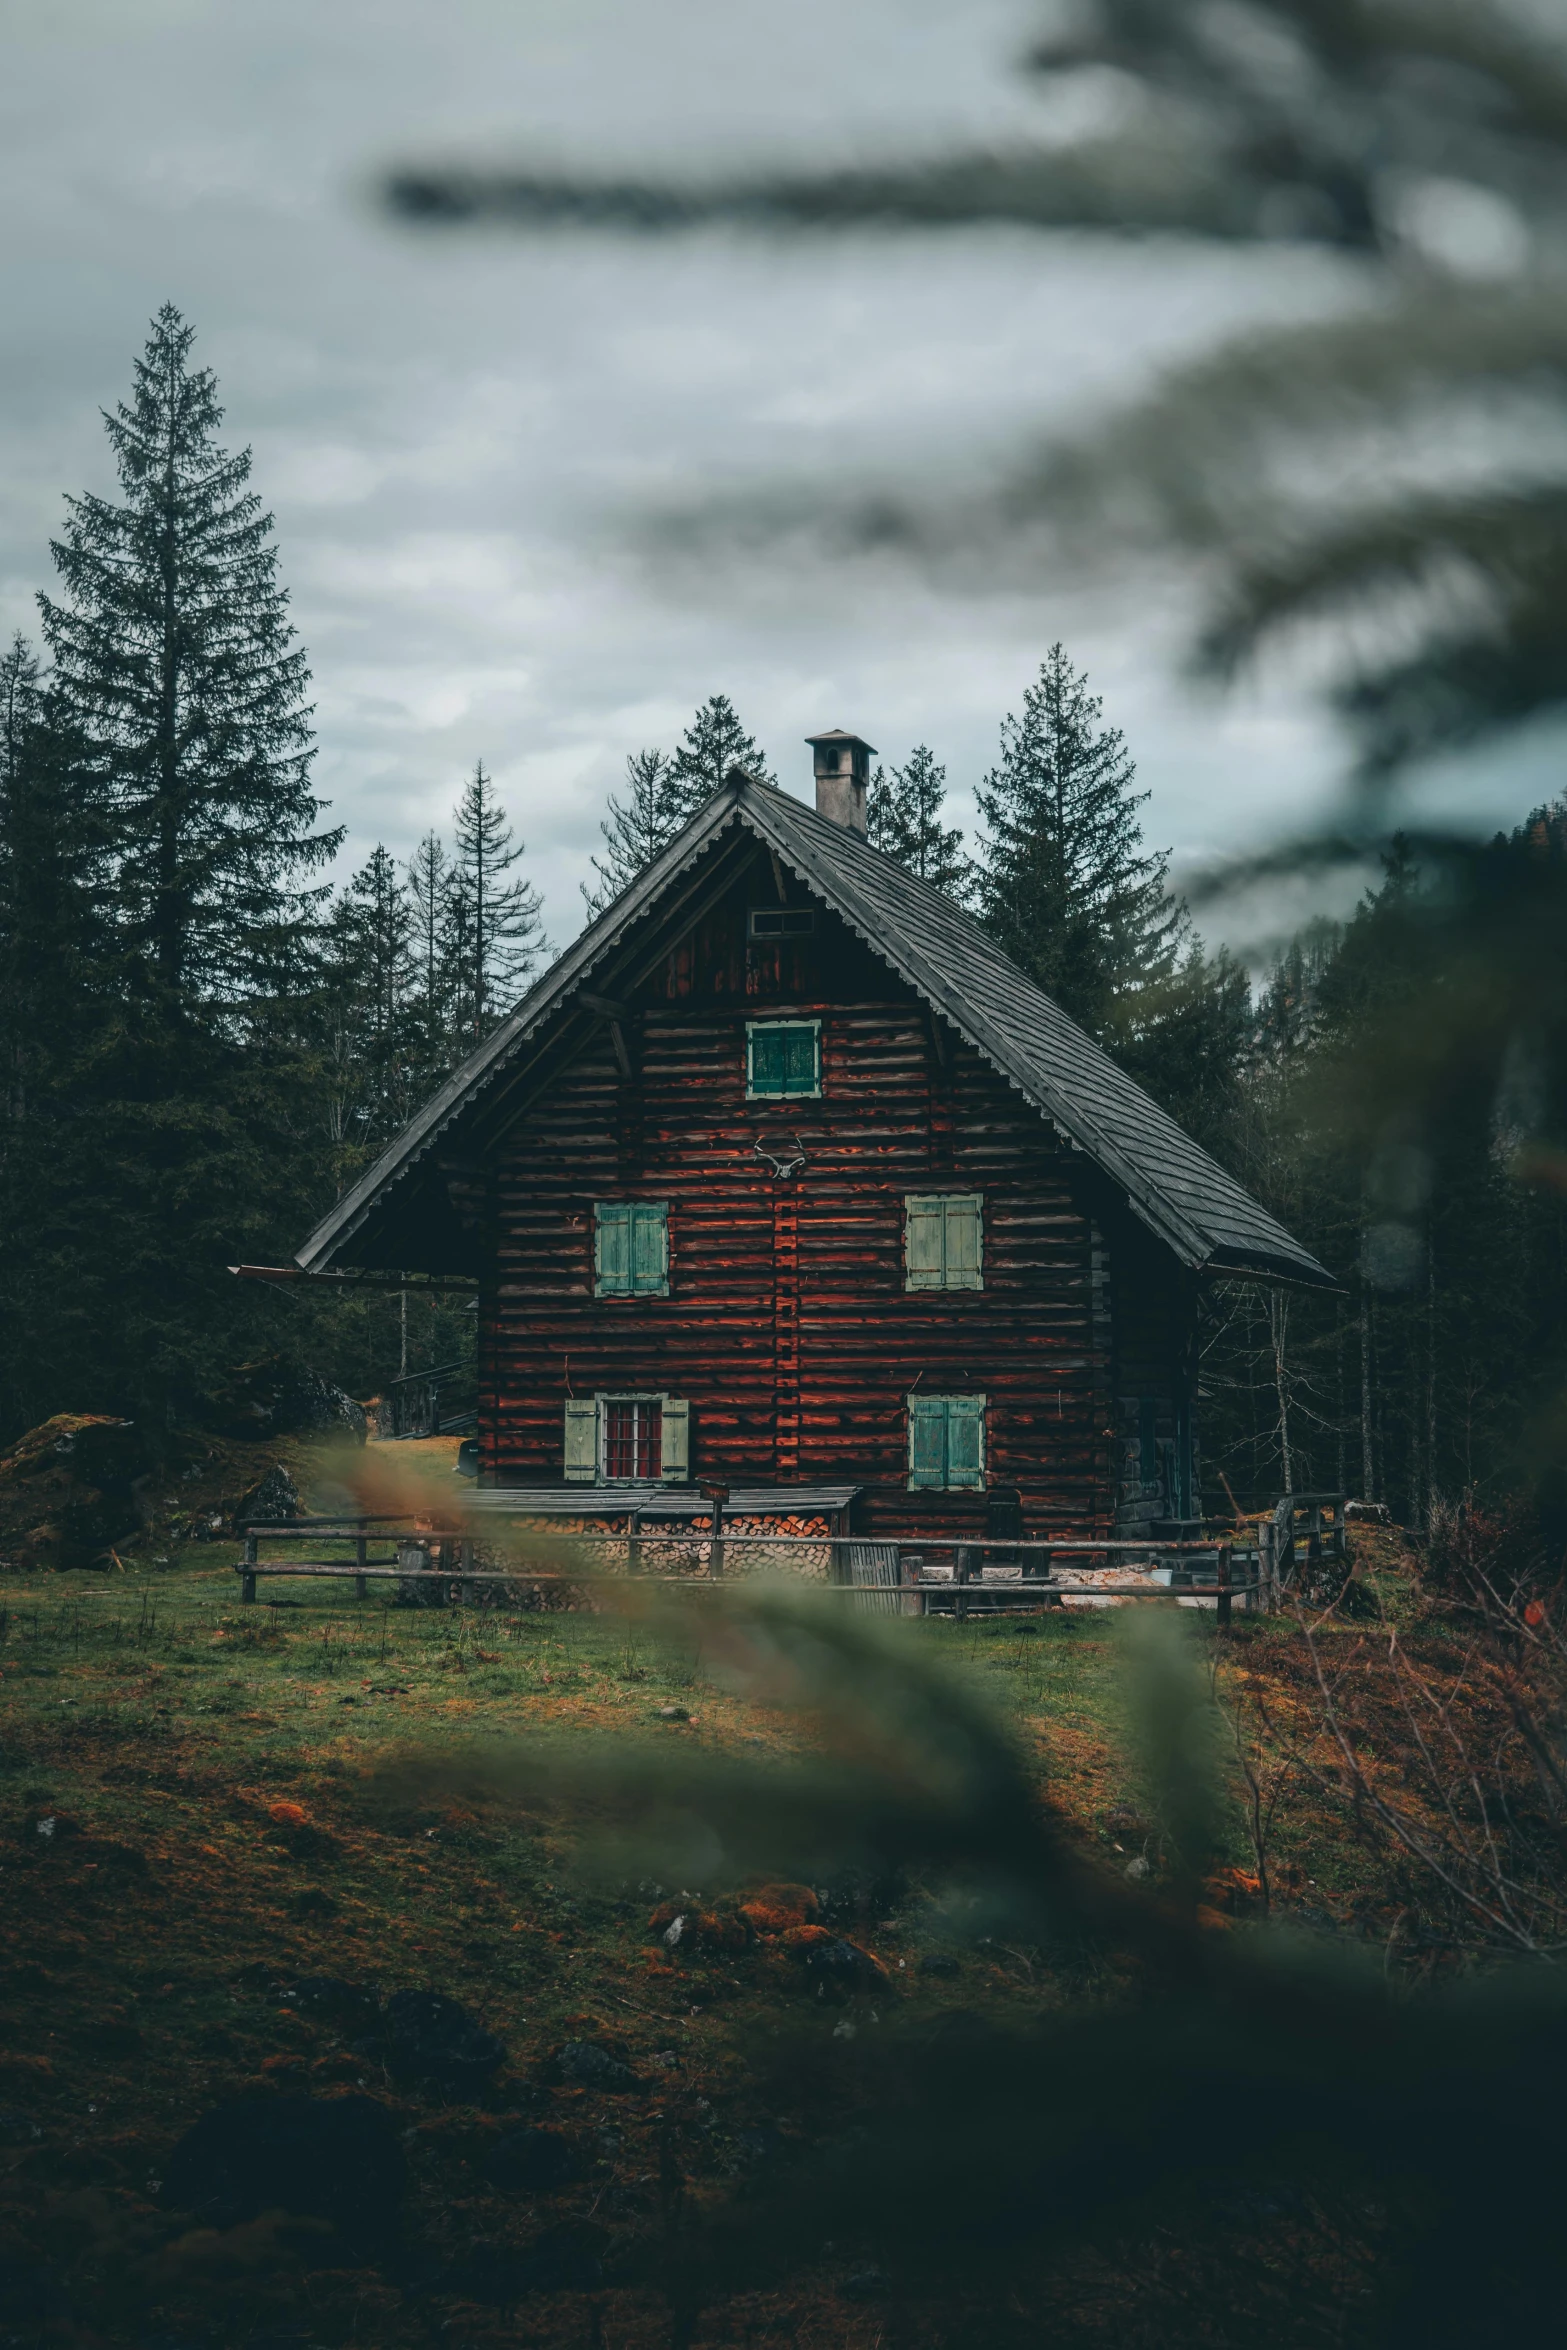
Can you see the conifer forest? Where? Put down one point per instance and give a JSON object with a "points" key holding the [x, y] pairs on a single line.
{"points": [[859, 1636]]}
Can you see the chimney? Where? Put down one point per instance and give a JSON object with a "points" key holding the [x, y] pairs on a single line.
{"points": [[843, 773]]}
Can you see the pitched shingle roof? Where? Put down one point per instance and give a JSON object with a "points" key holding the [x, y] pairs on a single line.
{"points": [[1208, 1219]]}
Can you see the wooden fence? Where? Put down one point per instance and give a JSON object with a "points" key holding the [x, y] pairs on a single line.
{"points": [[916, 1575]]}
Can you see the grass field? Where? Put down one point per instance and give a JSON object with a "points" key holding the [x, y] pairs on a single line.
{"points": [[197, 1817]]}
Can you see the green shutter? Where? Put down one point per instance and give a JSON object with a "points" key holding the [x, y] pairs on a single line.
{"points": [[922, 1243], [582, 1441], [927, 1442], [800, 1050], [768, 1065], [965, 1241], [966, 1442], [676, 1442], [783, 1058], [612, 1250], [650, 1250]]}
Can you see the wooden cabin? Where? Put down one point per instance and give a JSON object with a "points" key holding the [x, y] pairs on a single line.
{"points": [[785, 1179]]}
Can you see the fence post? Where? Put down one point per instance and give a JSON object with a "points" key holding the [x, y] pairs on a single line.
{"points": [[716, 1496], [634, 1543], [247, 1582], [1224, 1587], [360, 1585]]}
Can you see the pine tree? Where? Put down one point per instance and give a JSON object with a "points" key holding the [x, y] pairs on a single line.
{"points": [[636, 828], [495, 936], [180, 749], [903, 816], [55, 946], [434, 983], [173, 647], [1063, 881], [713, 743], [374, 1024]]}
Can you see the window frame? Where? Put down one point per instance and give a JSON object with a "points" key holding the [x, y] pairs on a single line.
{"points": [[603, 1402], [970, 1278], [631, 1209], [791, 921], [977, 1411], [755, 1028]]}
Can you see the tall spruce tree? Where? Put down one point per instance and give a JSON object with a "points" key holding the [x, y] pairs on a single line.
{"points": [[373, 1029], [429, 877], [494, 933], [713, 743], [173, 647], [1066, 884], [641, 822], [179, 723], [1064, 881], [903, 817]]}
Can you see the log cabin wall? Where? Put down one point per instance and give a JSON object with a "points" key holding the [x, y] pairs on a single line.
{"points": [[788, 1326]]}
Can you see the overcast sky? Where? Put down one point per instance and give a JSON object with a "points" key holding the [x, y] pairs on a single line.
{"points": [[451, 430]]}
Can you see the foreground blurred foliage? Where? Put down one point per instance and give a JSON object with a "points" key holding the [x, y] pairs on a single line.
{"points": [[1409, 451], [1248, 2126]]}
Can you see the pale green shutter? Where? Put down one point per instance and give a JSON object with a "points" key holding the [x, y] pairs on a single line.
{"points": [[582, 1441], [922, 1242], [966, 1442], [676, 1448], [612, 1250], [650, 1251], [965, 1241], [927, 1442]]}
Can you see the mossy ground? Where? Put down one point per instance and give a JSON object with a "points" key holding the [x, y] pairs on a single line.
{"points": [[220, 1829]]}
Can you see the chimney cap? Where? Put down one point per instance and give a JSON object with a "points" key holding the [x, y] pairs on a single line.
{"points": [[837, 734]]}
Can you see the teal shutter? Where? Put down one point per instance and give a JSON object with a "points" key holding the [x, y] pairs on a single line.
{"points": [[675, 1460], [927, 1442], [582, 1441], [650, 1250], [964, 1241], [768, 1064], [922, 1243], [783, 1058], [801, 1047], [612, 1250], [965, 1442]]}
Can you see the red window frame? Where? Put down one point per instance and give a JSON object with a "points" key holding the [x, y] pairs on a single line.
{"points": [[633, 1439]]}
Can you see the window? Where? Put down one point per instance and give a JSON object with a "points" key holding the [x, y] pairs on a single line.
{"points": [[946, 1443], [782, 921], [783, 1059], [943, 1241], [633, 1439], [631, 1248], [627, 1440]]}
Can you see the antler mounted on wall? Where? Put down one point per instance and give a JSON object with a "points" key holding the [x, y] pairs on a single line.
{"points": [[783, 1165]]}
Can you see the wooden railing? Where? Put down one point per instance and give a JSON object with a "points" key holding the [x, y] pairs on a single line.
{"points": [[910, 1574], [1305, 1545]]}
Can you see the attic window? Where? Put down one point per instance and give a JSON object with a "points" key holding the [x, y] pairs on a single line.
{"points": [[782, 921], [783, 1060]]}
